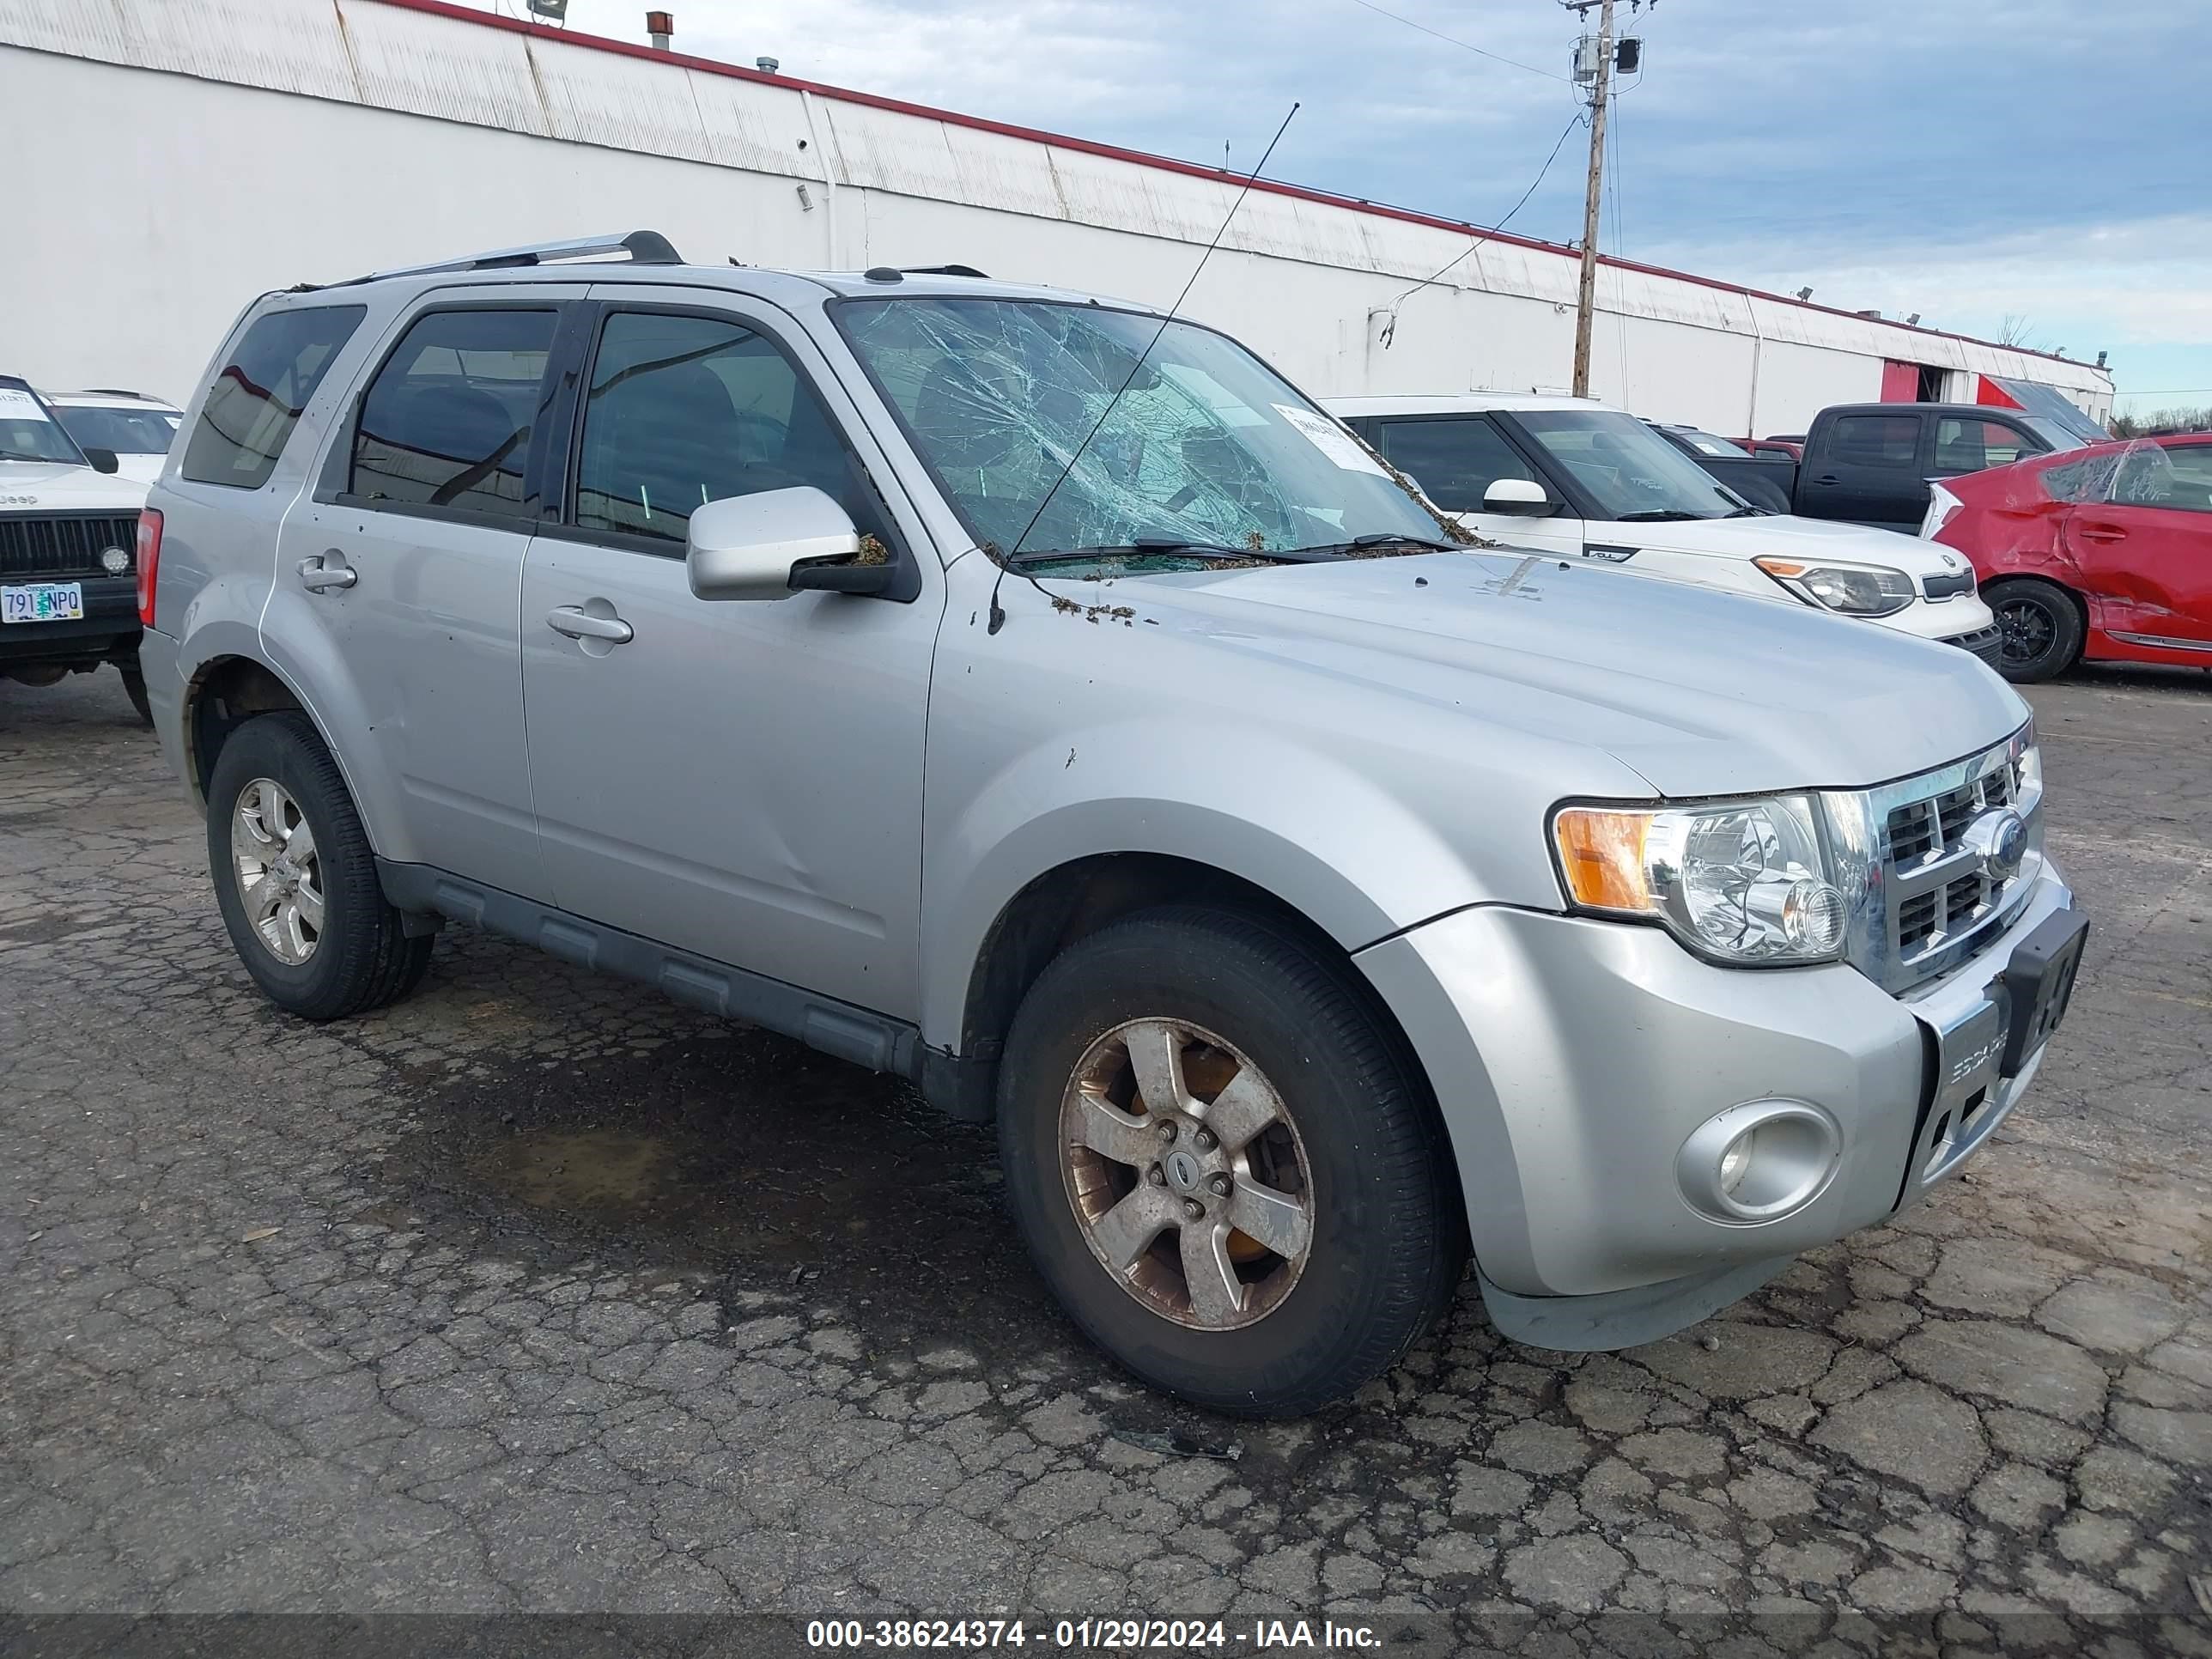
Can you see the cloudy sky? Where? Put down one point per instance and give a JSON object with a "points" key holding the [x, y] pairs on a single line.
{"points": [[2035, 162]]}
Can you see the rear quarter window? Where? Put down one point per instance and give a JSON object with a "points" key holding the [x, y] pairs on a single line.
{"points": [[257, 395]]}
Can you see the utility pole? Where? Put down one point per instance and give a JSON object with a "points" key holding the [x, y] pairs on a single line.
{"points": [[1600, 90]]}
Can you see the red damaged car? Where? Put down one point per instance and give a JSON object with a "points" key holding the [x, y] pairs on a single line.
{"points": [[2103, 554]]}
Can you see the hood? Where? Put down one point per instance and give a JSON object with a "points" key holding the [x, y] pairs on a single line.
{"points": [[61, 487], [140, 469], [1700, 692], [1788, 538]]}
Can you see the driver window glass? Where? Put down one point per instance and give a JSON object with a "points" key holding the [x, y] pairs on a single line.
{"points": [[1965, 445], [685, 410], [1455, 462]]}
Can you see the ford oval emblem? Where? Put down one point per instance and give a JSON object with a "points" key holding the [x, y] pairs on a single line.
{"points": [[2001, 838]]}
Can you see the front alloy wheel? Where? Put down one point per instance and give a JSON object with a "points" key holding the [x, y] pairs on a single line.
{"points": [[1225, 1164], [1186, 1174], [279, 875]]}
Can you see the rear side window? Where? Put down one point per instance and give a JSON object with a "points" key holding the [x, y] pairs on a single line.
{"points": [[255, 402], [1877, 440], [1455, 462], [446, 420], [685, 410]]}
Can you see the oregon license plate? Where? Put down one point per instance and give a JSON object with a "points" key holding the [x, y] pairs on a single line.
{"points": [[38, 602]]}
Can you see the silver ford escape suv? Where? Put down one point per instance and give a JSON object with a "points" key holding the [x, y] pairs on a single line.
{"points": [[1040, 699]]}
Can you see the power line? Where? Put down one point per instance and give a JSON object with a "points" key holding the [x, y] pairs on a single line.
{"points": [[1390, 327], [1454, 41]]}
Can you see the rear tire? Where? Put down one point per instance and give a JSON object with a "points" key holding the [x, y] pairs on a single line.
{"points": [[1354, 1145], [2042, 626], [134, 687], [322, 941]]}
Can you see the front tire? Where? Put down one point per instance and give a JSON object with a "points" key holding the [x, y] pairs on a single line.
{"points": [[296, 879], [2041, 628], [1225, 1163]]}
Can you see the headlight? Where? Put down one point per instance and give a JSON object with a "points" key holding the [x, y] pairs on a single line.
{"points": [[1745, 881], [1850, 589]]}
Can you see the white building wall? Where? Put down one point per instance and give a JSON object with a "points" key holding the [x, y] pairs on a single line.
{"points": [[185, 156]]}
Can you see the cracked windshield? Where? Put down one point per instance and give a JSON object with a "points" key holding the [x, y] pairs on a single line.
{"points": [[1207, 454]]}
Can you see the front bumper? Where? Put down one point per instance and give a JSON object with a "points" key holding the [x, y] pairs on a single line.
{"points": [[1573, 1059], [107, 632], [1956, 621]]}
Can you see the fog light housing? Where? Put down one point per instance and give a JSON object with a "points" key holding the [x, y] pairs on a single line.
{"points": [[1758, 1162]]}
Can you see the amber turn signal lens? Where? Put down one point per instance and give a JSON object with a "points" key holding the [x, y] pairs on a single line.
{"points": [[1601, 855], [1774, 567]]}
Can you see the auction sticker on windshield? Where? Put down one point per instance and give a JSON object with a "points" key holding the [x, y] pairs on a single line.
{"points": [[19, 405], [1332, 440], [38, 602]]}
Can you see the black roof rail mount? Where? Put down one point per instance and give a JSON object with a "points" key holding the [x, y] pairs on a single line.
{"points": [[947, 271], [644, 247], [113, 392]]}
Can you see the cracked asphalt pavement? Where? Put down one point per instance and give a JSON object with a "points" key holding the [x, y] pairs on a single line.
{"points": [[540, 1293]]}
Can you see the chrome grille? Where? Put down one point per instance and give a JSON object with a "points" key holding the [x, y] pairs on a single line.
{"points": [[65, 544], [1927, 896]]}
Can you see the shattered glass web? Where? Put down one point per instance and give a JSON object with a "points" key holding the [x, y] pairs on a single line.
{"points": [[998, 395]]}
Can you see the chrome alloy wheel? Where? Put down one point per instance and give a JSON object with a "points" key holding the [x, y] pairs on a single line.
{"points": [[1187, 1176], [280, 879]]}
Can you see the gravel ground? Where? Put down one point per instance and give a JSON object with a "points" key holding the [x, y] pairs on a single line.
{"points": [[539, 1294]]}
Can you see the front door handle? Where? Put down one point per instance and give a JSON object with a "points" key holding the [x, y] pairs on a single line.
{"points": [[579, 624], [1830, 478], [327, 569]]}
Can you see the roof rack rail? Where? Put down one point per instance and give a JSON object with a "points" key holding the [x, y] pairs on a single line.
{"points": [[945, 270], [111, 391], [645, 247]]}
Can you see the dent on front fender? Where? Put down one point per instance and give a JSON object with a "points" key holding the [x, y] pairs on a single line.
{"points": [[1310, 831]]}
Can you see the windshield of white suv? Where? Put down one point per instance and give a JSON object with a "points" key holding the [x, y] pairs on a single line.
{"points": [[1207, 454], [126, 431], [1628, 471], [28, 432]]}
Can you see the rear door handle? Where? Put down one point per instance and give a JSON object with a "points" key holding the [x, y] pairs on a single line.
{"points": [[2102, 534], [327, 569], [580, 624], [1830, 478]]}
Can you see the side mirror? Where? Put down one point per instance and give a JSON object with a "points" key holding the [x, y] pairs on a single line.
{"points": [[103, 460], [776, 543], [1522, 498]]}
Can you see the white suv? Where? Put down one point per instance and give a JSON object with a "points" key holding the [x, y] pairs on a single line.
{"points": [[1574, 475]]}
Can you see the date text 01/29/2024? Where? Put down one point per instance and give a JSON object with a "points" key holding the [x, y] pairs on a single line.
{"points": [[1092, 1635]]}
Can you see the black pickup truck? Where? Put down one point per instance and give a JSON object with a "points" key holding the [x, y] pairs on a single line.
{"points": [[1870, 464]]}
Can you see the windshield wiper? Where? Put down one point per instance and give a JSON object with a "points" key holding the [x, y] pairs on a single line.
{"points": [[1163, 546], [1657, 515], [1749, 513], [1387, 539], [17, 455]]}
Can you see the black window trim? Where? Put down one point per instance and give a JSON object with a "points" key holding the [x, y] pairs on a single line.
{"points": [[336, 470], [1531, 453], [239, 336], [573, 405]]}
